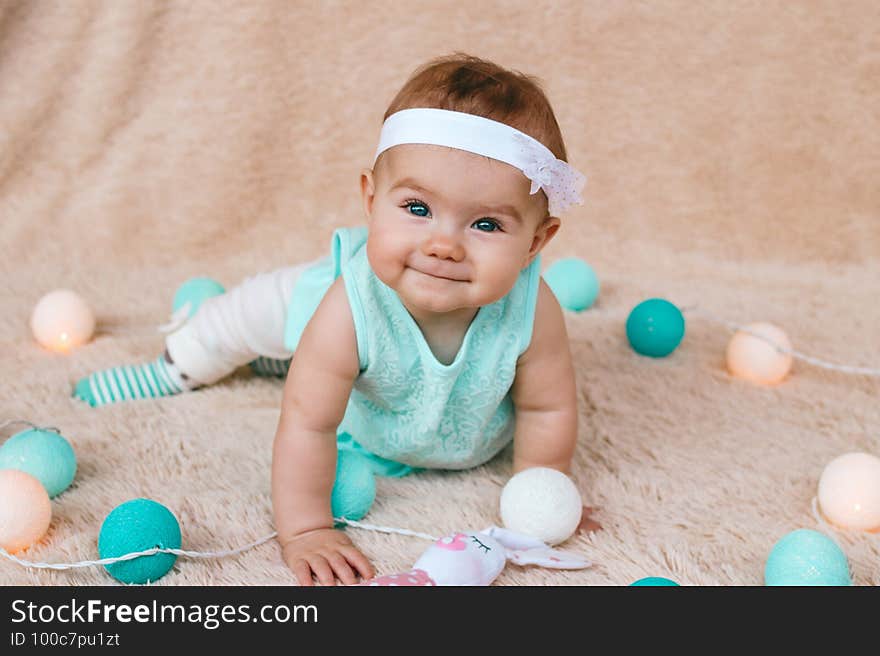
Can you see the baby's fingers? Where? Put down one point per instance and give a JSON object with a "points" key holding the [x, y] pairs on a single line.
{"points": [[322, 569], [302, 571], [341, 568], [359, 562]]}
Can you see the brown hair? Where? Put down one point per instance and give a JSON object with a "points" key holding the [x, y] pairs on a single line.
{"points": [[464, 83]]}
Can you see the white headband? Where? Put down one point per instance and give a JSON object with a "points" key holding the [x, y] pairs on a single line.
{"points": [[440, 127]]}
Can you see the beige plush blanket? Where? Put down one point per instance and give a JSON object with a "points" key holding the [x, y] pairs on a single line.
{"points": [[733, 155]]}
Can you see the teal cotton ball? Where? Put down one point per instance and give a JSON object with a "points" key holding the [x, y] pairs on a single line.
{"points": [[654, 581], [43, 454], [806, 557], [655, 327], [573, 282], [195, 291], [355, 488], [138, 525]]}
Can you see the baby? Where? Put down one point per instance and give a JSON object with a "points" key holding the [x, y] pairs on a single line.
{"points": [[425, 339]]}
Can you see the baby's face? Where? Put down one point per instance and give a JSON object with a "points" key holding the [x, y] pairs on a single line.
{"points": [[450, 229]]}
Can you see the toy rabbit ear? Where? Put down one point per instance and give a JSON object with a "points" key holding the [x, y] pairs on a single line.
{"points": [[547, 557], [526, 550], [178, 318], [513, 540]]}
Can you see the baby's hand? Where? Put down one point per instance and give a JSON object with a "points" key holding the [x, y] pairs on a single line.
{"points": [[328, 554]]}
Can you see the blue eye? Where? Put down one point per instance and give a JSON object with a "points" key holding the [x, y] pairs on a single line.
{"points": [[487, 225], [410, 204]]}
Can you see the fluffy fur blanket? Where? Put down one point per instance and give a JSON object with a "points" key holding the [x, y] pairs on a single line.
{"points": [[732, 153]]}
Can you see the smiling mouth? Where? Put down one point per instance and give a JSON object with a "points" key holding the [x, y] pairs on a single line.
{"points": [[437, 275]]}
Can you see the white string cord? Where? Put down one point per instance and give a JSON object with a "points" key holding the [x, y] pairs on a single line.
{"points": [[386, 529], [136, 554], [12, 422], [196, 554], [862, 371]]}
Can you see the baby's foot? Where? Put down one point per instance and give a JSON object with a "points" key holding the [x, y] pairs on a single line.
{"points": [[149, 380]]}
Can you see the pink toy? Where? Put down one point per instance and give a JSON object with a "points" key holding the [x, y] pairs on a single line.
{"points": [[478, 558]]}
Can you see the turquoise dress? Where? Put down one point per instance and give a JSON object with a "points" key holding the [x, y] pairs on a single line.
{"points": [[407, 410]]}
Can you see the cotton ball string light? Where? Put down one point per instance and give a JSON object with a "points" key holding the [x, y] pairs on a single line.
{"points": [[653, 581], [138, 525], [758, 360], [62, 320], [194, 292], [543, 503], [849, 491], [355, 487], [655, 327], [44, 454], [573, 282], [806, 557], [25, 510]]}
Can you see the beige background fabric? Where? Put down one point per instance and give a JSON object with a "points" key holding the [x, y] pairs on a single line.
{"points": [[732, 151]]}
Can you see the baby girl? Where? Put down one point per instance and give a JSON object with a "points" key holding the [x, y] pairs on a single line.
{"points": [[424, 339]]}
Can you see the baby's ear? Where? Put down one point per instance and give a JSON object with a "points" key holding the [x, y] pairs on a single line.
{"points": [[368, 191], [545, 231]]}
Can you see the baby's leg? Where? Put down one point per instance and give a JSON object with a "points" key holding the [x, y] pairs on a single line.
{"points": [[270, 367], [226, 332], [159, 377], [236, 328]]}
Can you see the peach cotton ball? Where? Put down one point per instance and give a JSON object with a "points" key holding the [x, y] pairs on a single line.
{"points": [[543, 503], [25, 510], [849, 491], [757, 360], [62, 320]]}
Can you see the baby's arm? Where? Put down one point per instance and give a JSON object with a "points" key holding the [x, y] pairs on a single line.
{"points": [[318, 385], [544, 393]]}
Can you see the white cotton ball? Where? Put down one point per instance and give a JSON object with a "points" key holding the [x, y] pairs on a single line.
{"points": [[62, 320], [543, 503], [849, 491]]}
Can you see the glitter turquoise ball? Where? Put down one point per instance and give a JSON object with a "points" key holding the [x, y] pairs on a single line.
{"points": [[653, 581], [573, 282], [138, 525], [43, 454], [195, 291], [806, 557], [655, 327], [355, 488]]}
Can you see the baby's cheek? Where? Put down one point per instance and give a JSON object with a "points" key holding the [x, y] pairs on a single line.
{"points": [[383, 256], [495, 283]]}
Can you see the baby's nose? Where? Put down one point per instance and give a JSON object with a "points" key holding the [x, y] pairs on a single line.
{"points": [[444, 245]]}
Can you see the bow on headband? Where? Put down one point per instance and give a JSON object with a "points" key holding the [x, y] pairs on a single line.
{"points": [[561, 183]]}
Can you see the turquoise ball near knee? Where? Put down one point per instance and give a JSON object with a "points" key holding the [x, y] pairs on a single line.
{"points": [[806, 557], [355, 487], [655, 327], [573, 282], [195, 291], [138, 525], [654, 581], [43, 454]]}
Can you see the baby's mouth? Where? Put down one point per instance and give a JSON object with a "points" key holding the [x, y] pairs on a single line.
{"points": [[442, 275]]}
